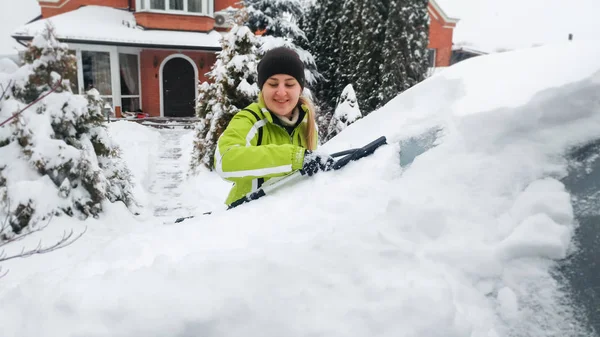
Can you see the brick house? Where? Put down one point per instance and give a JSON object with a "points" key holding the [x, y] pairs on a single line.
{"points": [[441, 29], [151, 54]]}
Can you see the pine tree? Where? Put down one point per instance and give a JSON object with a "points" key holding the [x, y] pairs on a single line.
{"points": [[232, 87], [325, 46], [273, 17], [405, 47], [277, 21], [372, 35], [346, 112], [348, 57], [415, 39], [63, 139], [394, 69]]}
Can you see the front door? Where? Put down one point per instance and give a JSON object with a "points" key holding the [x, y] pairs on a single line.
{"points": [[178, 88]]}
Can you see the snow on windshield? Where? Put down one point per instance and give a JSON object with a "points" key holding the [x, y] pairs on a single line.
{"points": [[459, 240]]}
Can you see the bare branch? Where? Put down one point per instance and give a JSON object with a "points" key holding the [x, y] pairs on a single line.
{"points": [[66, 240], [22, 236], [52, 89], [4, 90]]}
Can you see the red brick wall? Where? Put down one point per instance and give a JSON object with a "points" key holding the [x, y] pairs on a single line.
{"points": [[222, 4], [150, 61], [174, 21], [54, 8], [440, 38]]}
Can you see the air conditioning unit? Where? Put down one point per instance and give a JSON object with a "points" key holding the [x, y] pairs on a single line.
{"points": [[223, 20]]}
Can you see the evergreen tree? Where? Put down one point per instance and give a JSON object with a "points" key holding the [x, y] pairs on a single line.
{"points": [[415, 39], [346, 112], [371, 39], [324, 45], [277, 21], [405, 47], [62, 140], [394, 69], [232, 87], [348, 56], [273, 17]]}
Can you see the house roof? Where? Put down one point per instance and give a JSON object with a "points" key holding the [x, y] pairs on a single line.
{"points": [[111, 26], [443, 13], [472, 50]]}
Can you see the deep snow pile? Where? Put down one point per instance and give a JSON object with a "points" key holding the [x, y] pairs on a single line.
{"points": [[460, 242]]}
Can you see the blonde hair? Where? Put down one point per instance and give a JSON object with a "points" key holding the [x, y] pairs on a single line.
{"points": [[311, 123]]}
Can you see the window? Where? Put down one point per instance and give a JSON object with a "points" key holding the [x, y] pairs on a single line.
{"points": [[431, 57], [194, 6], [189, 6], [96, 72], [130, 85], [176, 5], [157, 4]]}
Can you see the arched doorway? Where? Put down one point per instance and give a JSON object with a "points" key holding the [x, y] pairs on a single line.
{"points": [[178, 88]]}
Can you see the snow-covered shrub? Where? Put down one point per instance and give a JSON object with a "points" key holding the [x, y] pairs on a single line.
{"points": [[56, 157], [346, 112], [232, 87]]}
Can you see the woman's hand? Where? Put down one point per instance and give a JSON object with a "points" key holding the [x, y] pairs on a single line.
{"points": [[315, 162]]}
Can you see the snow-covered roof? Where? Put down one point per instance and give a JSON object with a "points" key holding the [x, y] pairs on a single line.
{"points": [[473, 50], [106, 25], [447, 18]]}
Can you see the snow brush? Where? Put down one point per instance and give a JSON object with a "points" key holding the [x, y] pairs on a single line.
{"points": [[273, 184]]}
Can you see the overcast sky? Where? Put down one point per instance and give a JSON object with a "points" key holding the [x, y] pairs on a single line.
{"points": [[485, 24]]}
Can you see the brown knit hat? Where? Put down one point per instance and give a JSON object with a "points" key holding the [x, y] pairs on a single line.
{"points": [[280, 60]]}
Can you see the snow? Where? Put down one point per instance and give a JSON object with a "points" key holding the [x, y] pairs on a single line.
{"points": [[459, 240], [106, 24], [492, 26]]}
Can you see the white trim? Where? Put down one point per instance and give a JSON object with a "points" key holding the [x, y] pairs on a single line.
{"points": [[51, 6], [432, 13], [160, 78], [80, 72], [207, 8], [115, 78], [439, 9], [254, 130], [257, 172], [137, 52]]}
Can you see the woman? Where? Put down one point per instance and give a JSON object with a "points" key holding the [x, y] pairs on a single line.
{"points": [[274, 136]]}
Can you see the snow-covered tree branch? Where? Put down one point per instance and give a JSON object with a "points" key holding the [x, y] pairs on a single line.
{"points": [[55, 155]]}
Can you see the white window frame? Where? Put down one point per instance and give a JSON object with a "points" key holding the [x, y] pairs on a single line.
{"points": [[115, 77], [208, 8], [160, 78], [132, 51]]}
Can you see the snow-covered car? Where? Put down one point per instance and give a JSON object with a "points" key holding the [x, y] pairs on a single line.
{"points": [[479, 218]]}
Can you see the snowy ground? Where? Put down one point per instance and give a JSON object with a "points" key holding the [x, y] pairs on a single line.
{"points": [[461, 241]]}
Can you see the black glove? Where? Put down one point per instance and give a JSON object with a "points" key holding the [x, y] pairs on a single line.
{"points": [[315, 162]]}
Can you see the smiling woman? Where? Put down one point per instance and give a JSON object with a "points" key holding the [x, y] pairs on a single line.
{"points": [[275, 136]]}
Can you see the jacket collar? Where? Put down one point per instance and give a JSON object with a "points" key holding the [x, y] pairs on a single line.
{"points": [[269, 116]]}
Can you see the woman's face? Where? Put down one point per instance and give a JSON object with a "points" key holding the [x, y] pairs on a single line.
{"points": [[281, 94]]}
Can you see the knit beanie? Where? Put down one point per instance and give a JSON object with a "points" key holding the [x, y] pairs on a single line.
{"points": [[280, 60]]}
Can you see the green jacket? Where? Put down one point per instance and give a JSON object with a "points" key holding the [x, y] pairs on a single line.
{"points": [[255, 147]]}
